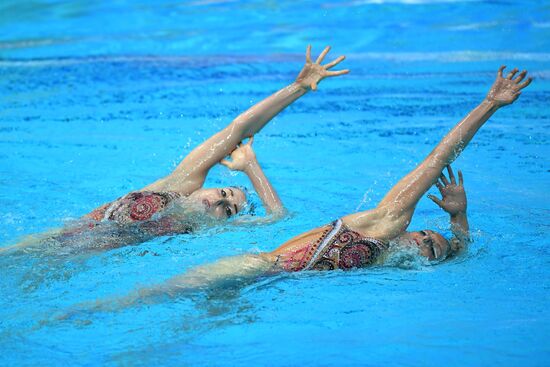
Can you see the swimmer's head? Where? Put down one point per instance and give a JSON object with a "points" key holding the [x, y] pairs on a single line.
{"points": [[431, 244], [220, 203]]}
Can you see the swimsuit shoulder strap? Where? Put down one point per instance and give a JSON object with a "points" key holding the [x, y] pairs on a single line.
{"points": [[324, 241], [343, 248]]}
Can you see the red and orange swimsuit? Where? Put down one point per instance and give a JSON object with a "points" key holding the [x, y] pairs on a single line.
{"points": [[136, 206], [135, 213], [338, 247]]}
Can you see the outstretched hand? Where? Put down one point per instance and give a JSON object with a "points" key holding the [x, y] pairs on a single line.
{"points": [[314, 72], [453, 199], [506, 90], [241, 157]]}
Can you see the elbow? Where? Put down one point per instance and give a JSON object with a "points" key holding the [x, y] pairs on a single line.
{"points": [[241, 127]]}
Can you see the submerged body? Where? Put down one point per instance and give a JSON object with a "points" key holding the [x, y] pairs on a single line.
{"points": [[178, 203]]}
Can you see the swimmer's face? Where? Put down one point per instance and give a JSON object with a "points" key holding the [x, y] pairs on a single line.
{"points": [[220, 203], [431, 244]]}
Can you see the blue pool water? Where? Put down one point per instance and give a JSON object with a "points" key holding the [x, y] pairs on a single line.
{"points": [[100, 98]]}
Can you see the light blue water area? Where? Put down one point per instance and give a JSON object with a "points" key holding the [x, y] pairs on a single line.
{"points": [[101, 98]]}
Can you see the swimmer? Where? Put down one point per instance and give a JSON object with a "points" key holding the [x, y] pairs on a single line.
{"points": [[175, 203], [363, 239]]}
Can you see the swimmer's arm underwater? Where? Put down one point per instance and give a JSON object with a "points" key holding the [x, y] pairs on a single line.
{"points": [[399, 203], [244, 159], [453, 201], [191, 173]]}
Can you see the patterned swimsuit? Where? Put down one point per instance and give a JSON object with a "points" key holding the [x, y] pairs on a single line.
{"points": [[134, 207], [139, 208], [340, 248]]}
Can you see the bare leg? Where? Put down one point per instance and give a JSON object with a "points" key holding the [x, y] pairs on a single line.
{"points": [[28, 241], [235, 270]]}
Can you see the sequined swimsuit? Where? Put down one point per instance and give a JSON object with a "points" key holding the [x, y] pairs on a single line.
{"points": [[135, 206], [340, 248], [140, 207]]}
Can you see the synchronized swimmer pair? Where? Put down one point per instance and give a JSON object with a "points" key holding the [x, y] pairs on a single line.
{"points": [[172, 204]]}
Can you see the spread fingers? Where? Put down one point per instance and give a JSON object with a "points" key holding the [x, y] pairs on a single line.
{"points": [[336, 73], [308, 54], [335, 62], [322, 55]]}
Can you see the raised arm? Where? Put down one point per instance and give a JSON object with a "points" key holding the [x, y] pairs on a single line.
{"points": [[453, 201], [244, 159], [397, 207], [190, 174]]}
